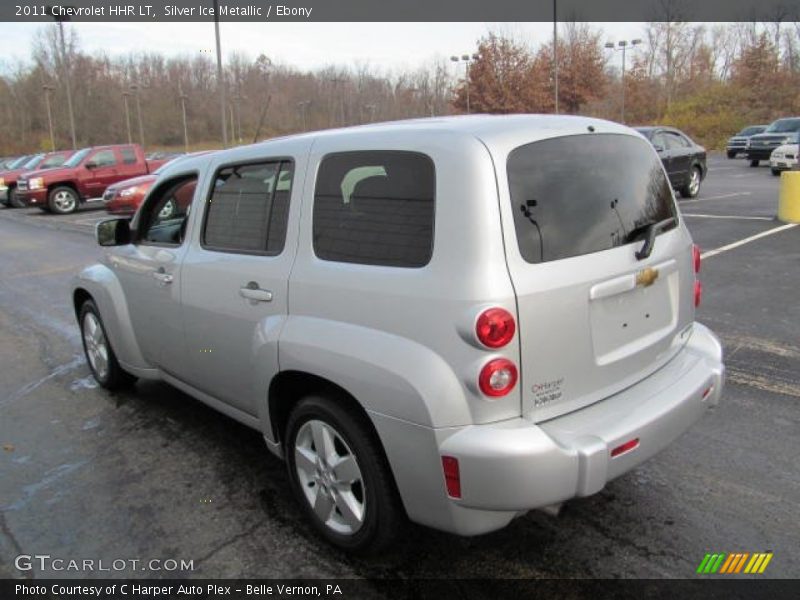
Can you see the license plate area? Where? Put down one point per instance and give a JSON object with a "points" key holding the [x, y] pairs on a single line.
{"points": [[628, 317]]}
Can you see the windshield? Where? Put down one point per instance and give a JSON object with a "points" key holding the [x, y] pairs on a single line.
{"points": [[748, 131], [31, 164], [76, 158], [784, 126], [560, 211]]}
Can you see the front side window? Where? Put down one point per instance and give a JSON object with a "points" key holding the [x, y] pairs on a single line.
{"points": [[580, 194], [104, 158], [248, 211], [375, 208], [55, 160], [165, 213]]}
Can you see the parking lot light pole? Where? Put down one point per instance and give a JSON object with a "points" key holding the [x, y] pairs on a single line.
{"points": [[220, 78], [302, 106], [135, 88], [65, 68], [47, 89], [623, 45], [555, 54], [466, 59], [125, 96], [183, 98]]}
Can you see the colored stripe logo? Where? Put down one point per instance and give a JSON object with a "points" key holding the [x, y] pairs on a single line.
{"points": [[734, 563]]}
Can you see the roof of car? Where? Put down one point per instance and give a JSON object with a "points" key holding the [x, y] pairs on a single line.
{"points": [[501, 132]]}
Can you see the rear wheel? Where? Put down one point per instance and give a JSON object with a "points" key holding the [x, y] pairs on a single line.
{"points": [[754, 163], [99, 354], [340, 476], [62, 200], [731, 154], [14, 199], [692, 187]]}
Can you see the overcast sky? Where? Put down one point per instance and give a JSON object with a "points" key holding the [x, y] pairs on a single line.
{"points": [[311, 45]]}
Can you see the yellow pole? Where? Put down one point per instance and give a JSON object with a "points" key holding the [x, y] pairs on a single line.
{"points": [[789, 199]]}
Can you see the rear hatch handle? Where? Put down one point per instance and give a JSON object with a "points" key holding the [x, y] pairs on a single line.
{"points": [[650, 232]]}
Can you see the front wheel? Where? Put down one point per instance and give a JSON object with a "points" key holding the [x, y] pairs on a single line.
{"points": [[692, 187], [63, 200], [340, 476], [731, 154], [776, 172], [754, 163], [99, 354]]}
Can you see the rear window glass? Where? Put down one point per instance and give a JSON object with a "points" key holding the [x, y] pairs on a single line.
{"points": [[576, 195], [375, 208]]}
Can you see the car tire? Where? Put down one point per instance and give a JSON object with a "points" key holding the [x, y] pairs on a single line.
{"points": [[63, 200], [14, 199], [359, 511], [731, 154], [776, 172], [99, 355], [754, 163], [692, 187]]}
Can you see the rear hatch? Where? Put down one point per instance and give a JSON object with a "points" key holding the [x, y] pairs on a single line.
{"points": [[593, 318]]}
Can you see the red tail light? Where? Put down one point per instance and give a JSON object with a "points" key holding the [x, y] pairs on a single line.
{"points": [[626, 447], [452, 478], [696, 257], [698, 292], [498, 377], [495, 327]]}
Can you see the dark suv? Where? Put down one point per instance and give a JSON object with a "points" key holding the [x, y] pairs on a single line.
{"points": [[782, 131], [737, 144]]}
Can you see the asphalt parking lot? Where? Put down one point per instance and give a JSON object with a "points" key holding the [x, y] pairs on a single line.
{"points": [[151, 473]]}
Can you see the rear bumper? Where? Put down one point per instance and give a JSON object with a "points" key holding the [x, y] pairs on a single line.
{"points": [[510, 467]]}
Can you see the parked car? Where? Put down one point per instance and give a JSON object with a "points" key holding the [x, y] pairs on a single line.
{"points": [[439, 318], [737, 144], [8, 179], [683, 159], [784, 157], [13, 165], [125, 197], [84, 176], [780, 132]]}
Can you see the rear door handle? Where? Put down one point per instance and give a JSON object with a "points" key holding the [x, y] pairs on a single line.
{"points": [[252, 292], [162, 276]]}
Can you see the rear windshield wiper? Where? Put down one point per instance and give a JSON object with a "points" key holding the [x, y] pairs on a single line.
{"points": [[650, 232]]}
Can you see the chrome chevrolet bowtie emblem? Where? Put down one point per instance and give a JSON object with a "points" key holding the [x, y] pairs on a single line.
{"points": [[646, 277]]}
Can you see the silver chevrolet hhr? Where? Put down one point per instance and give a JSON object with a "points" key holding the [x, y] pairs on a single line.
{"points": [[454, 320]]}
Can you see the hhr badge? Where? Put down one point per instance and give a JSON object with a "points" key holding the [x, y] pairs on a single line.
{"points": [[646, 277]]}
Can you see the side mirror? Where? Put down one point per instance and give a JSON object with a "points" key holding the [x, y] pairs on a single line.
{"points": [[113, 232], [90, 164]]}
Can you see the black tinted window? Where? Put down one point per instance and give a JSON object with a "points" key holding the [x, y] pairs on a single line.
{"points": [[249, 208], [375, 208], [581, 194]]}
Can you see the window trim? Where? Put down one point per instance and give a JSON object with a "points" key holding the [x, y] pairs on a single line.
{"points": [[207, 204], [137, 238], [419, 153]]}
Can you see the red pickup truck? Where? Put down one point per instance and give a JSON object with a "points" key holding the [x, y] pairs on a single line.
{"points": [[84, 176]]}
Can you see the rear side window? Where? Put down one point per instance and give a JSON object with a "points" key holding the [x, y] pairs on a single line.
{"points": [[128, 156], [375, 208], [248, 210], [576, 195]]}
